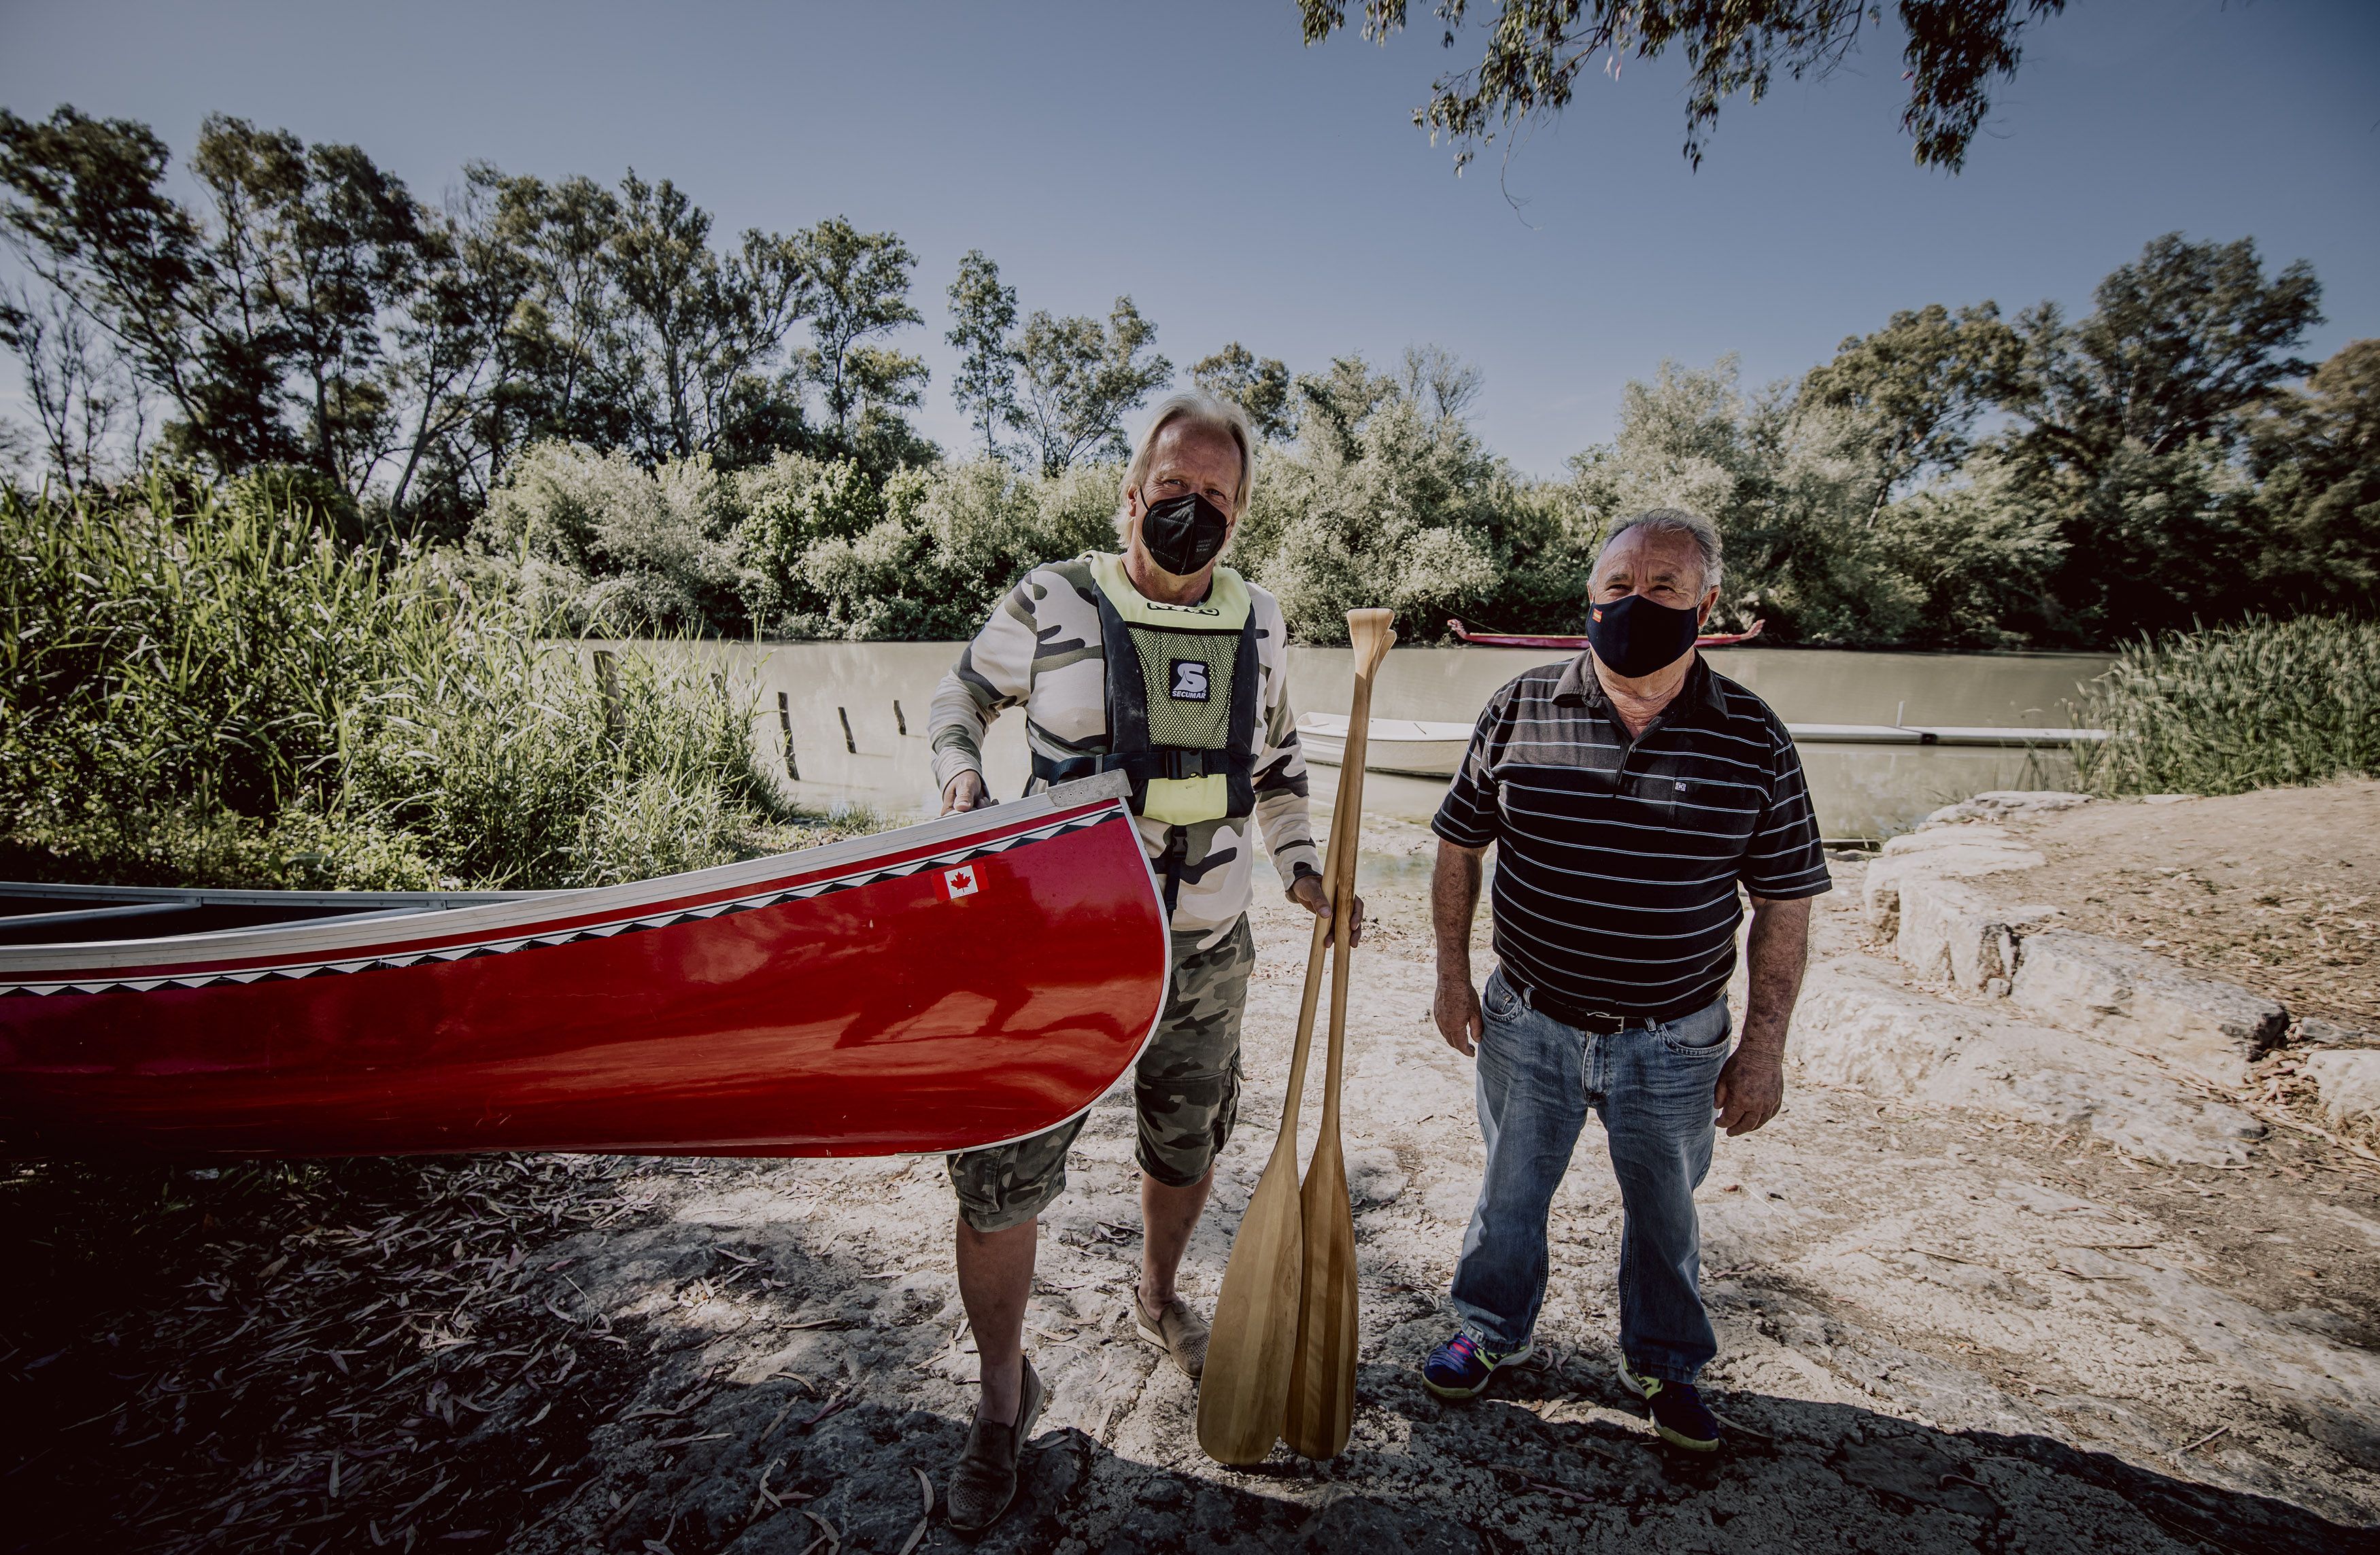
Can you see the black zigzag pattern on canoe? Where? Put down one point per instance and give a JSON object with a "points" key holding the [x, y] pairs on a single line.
{"points": [[593, 932]]}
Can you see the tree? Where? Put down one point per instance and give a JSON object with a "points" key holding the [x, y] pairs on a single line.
{"points": [[702, 325], [1442, 384], [459, 363], [2317, 452], [1916, 387], [313, 245], [577, 375], [1259, 385], [2181, 344], [1955, 50], [88, 213], [2127, 426], [1383, 501], [861, 287], [1077, 381], [74, 389], [982, 314]]}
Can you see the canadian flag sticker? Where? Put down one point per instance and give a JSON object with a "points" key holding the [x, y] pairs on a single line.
{"points": [[960, 882]]}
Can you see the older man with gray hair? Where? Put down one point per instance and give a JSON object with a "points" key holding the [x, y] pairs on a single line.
{"points": [[1630, 794], [1160, 663]]}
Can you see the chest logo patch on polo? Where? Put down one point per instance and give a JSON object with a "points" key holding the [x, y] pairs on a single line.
{"points": [[1190, 684]]}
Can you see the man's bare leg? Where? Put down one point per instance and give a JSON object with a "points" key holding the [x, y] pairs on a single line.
{"points": [[995, 1281], [1167, 1216]]}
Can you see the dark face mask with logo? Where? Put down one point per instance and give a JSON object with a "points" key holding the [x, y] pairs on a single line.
{"points": [[1635, 636], [1183, 533]]}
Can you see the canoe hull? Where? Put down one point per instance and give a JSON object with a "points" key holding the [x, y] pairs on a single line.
{"points": [[937, 996]]}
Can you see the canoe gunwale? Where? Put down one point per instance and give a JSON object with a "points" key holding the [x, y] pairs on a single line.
{"points": [[517, 920], [213, 896], [732, 1041]]}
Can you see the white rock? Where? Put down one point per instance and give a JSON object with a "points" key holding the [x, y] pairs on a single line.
{"points": [[2127, 995], [1951, 931], [2350, 1082], [1853, 1027], [1944, 853], [2001, 804]]}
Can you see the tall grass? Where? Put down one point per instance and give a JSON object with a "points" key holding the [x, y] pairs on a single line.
{"points": [[202, 684], [2228, 709]]}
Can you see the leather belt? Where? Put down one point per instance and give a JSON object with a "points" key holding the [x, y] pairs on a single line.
{"points": [[1596, 1023]]}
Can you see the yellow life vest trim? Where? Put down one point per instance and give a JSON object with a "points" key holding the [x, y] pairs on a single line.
{"points": [[1182, 801], [1225, 608]]}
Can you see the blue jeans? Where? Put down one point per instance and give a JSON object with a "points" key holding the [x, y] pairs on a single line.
{"points": [[1651, 1086]]}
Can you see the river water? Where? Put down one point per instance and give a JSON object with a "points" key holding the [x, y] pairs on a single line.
{"points": [[878, 692]]}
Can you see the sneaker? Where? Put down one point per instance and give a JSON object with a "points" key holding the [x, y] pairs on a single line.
{"points": [[1462, 1367], [1678, 1412], [1175, 1330], [985, 1480]]}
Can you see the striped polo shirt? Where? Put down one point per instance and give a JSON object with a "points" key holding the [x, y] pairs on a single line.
{"points": [[1618, 861]]}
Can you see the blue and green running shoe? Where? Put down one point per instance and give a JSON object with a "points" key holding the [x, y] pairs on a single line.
{"points": [[1678, 1412], [1461, 1367]]}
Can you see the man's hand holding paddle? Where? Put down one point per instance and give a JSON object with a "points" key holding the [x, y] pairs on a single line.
{"points": [[1308, 893]]}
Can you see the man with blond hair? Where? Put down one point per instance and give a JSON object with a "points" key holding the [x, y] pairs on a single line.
{"points": [[1162, 664]]}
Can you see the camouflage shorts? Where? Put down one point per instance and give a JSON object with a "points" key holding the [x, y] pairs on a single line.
{"points": [[1185, 1096]]}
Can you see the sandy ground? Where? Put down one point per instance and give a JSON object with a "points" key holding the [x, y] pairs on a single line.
{"points": [[1939, 1330], [2277, 890]]}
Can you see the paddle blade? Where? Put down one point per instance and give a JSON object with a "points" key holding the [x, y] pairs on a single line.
{"points": [[1243, 1390], [1322, 1383], [1372, 631]]}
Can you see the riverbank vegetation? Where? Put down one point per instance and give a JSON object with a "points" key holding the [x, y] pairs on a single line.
{"points": [[584, 400], [2262, 704], [202, 684]]}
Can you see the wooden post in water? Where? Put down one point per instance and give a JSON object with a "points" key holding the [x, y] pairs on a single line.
{"points": [[848, 742], [900, 723], [785, 722]]}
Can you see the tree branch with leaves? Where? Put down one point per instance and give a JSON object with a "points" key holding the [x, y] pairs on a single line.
{"points": [[1955, 52]]}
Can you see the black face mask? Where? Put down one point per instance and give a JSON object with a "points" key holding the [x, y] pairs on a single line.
{"points": [[1183, 533], [1637, 636]]}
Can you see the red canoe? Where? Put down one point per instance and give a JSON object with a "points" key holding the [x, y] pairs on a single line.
{"points": [[962, 982], [1573, 644]]}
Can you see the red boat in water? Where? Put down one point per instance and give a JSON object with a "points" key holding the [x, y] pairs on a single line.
{"points": [[962, 982], [1574, 644]]}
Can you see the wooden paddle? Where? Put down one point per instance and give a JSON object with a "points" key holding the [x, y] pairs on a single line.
{"points": [[1323, 1385], [1243, 1389]]}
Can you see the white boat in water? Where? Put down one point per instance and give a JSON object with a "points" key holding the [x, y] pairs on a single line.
{"points": [[1397, 745], [1423, 750]]}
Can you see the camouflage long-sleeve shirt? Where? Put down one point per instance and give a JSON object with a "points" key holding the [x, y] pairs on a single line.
{"points": [[1042, 651]]}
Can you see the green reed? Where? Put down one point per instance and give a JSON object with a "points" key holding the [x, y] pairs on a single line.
{"points": [[202, 684], [2228, 709]]}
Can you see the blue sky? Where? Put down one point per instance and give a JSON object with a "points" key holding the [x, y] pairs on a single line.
{"points": [[1241, 187]]}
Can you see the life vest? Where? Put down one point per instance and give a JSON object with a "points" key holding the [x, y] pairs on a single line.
{"points": [[1181, 700]]}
